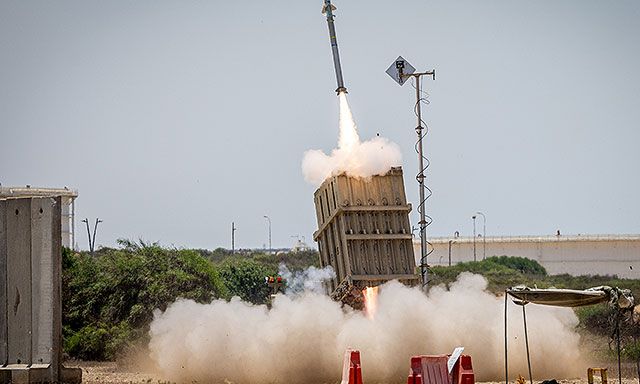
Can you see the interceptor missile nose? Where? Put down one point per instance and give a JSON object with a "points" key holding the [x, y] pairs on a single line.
{"points": [[324, 8]]}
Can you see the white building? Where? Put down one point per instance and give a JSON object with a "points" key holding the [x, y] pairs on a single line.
{"points": [[576, 255], [68, 206]]}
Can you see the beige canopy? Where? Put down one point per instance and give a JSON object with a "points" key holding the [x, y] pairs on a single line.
{"points": [[572, 297]]}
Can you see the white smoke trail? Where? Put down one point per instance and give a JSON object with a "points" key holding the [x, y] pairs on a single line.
{"points": [[308, 280], [353, 157], [302, 339]]}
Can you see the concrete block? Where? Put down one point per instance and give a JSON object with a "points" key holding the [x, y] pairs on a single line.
{"points": [[3, 285], [19, 280], [45, 213], [17, 373]]}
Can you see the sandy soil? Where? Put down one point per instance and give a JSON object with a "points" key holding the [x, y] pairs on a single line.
{"points": [[94, 372]]}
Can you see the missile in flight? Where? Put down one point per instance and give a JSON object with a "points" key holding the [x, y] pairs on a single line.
{"points": [[328, 8]]}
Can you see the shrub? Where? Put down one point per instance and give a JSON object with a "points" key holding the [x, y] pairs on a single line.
{"points": [[520, 264], [596, 318], [108, 300], [498, 272], [246, 279]]}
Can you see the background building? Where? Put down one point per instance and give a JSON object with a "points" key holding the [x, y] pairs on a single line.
{"points": [[575, 255], [68, 206]]}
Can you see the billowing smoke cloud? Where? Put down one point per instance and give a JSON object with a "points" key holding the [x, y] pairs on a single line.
{"points": [[353, 157], [302, 339], [308, 280]]}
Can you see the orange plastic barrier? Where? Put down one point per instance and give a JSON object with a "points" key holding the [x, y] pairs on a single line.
{"points": [[432, 369], [351, 370]]}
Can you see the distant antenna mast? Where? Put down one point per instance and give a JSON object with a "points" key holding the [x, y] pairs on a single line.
{"points": [[233, 237], [400, 71]]}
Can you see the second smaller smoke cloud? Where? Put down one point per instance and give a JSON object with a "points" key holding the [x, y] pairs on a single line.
{"points": [[308, 280]]}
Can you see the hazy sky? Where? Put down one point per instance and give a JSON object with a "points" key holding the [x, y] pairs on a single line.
{"points": [[175, 118]]}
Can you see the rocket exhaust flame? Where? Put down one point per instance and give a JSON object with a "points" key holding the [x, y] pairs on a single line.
{"points": [[370, 301]]}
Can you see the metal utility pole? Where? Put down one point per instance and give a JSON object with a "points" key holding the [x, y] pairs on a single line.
{"points": [[474, 237], [420, 178], [269, 220], [484, 234], [401, 71], [86, 221], [95, 228], [92, 240], [233, 237]]}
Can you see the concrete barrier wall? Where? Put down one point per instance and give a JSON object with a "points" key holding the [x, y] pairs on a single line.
{"points": [[574, 255], [30, 292], [4, 353]]}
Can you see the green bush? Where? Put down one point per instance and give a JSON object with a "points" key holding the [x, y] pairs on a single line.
{"points": [[520, 264], [632, 351], [108, 300], [246, 279], [87, 343], [101, 341], [501, 272], [596, 318]]}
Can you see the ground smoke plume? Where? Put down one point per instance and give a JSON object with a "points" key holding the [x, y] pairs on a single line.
{"points": [[309, 280], [355, 158], [302, 339]]}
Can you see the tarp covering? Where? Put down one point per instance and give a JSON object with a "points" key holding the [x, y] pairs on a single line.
{"points": [[559, 297], [620, 299]]}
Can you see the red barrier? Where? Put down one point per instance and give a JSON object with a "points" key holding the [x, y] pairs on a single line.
{"points": [[463, 371], [351, 370], [429, 369], [432, 369]]}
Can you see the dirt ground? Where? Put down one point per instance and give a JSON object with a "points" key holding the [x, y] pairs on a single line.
{"points": [[113, 373], [98, 372]]}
